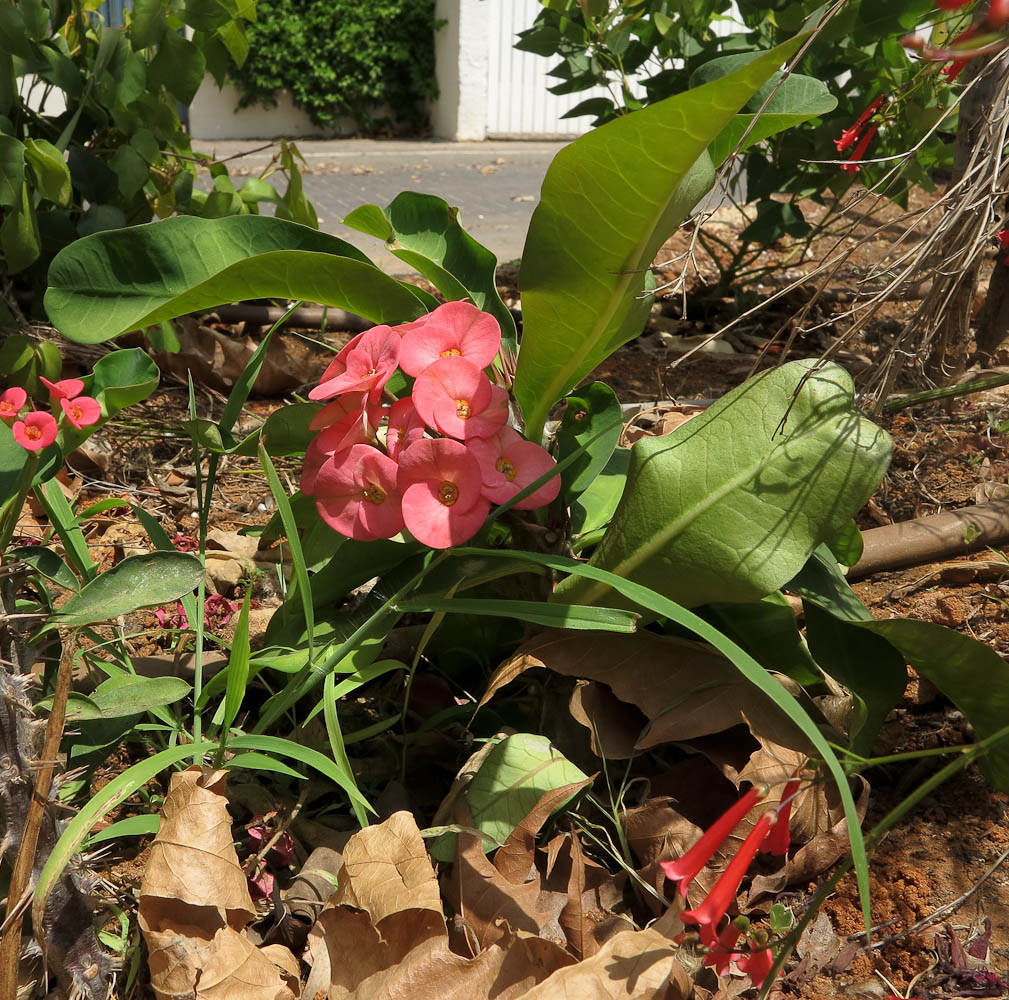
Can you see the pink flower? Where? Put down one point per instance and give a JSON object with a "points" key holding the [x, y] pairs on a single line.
{"points": [[354, 424], [81, 411], [852, 167], [712, 908], [509, 463], [1002, 236], [66, 389], [778, 839], [185, 543], [261, 887], [455, 329], [177, 619], [443, 501], [356, 494], [685, 869], [218, 610], [405, 427], [11, 403], [756, 965], [722, 952], [37, 430], [364, 365], [454, 396]]}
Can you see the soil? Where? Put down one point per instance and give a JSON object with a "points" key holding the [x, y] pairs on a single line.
{"points": [[940, 855]]}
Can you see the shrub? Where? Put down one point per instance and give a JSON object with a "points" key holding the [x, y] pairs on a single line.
{"points": [[371, 62]]}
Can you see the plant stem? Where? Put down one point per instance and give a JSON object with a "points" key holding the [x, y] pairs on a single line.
{"points": [[10, 519], [948, 392]]}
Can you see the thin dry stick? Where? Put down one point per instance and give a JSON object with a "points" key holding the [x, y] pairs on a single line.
{"points": [[10, 943]]}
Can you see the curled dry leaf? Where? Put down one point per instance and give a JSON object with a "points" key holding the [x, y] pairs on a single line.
{"points": [[194, 904], [405, 953], [657, 675]]}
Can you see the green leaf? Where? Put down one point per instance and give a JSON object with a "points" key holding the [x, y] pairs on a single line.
{"points": [[238, 667], [51, 171], [132, 826], [19, 235], [137, 582], [12, 170], [115, 282], [120, 788], [585, 414], [179, 67], [609, 201], [13, 459], [538, 612], [36, 16], [14, 32], [847, 545], [424, 232], [731, 505], [122, 378], [128, 695], [148, 23], [131, 169], [513, 777], [47, 562], [595, 507]]}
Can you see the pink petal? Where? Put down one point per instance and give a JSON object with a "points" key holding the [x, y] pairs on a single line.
{"points": [[455, 328], [450, 393], [37, 431], [405, 427], [345, 407], [66, 389], [82, 411], [435, 461], [364, 365], [342, 489], [509, 463], [434, 524]]}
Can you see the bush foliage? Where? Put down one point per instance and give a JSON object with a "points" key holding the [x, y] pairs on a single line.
{"points": [[373, 63]]}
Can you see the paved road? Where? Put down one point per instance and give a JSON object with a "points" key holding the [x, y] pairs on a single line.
{"points": [[494, 184]]}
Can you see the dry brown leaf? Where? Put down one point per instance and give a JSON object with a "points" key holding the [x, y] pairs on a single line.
{"points": [[194, 902], [633, 965], [656, 831], [386, 869], [659, 676]]}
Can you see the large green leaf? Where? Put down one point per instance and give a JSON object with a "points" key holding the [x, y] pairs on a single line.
{"points": [[113, 282], [136, 582], [609, 201], [424, 232], [512, 778], [731, 505], [12, 170]]}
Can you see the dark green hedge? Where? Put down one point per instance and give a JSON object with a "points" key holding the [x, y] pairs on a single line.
{"points": [[344, 58]]}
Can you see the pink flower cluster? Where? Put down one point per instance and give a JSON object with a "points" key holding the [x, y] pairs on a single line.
{"points": [[38, 430], [446, 453], [769, 834]]}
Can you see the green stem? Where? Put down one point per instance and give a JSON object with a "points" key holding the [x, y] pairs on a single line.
{"points": [[948, 392], [13, 512]]}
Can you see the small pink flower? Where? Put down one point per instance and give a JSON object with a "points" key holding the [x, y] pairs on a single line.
{"points": [[1002, 236], [66, 389], [357, 495], [11, 403], [756, 965], [443, 501], [185, 543], [281, 852], [82, 411], [177, 619], [712, 908], [405, 427], [261, 887], [509, 463], [686, 868], [455, 329], [364, 365], [37, 431], [345, 410], [218, 610], [455, 397]]}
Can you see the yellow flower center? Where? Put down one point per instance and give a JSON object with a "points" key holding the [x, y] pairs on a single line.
{"points": [[448, 493], [452, 352], [506, 469], [76, 412], [32, 432], [373, 494], [7, 409], [462, 409]]}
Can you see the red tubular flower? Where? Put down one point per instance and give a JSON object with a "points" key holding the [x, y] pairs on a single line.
{"points": [[685, 869], [778, 839], [722, 953], [850, 135], [1002, 236], [756, 965], [714, 905], [998, 13], [852, 167]]}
